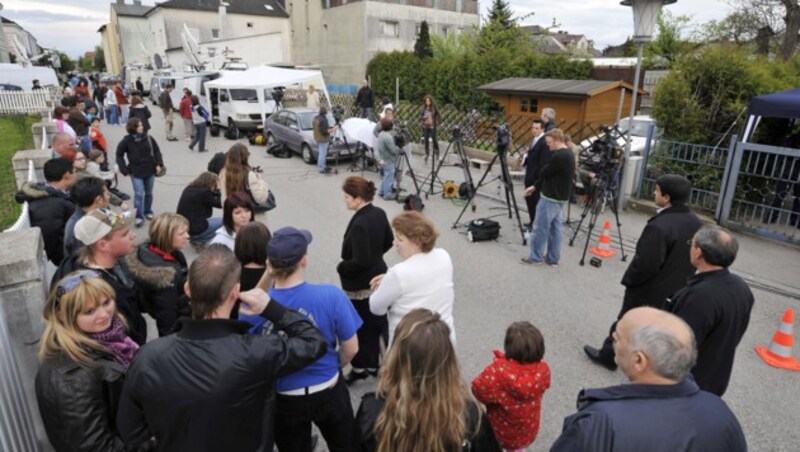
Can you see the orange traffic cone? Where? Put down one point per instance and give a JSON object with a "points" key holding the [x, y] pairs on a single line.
{"points": [[603, 248], [779, 353]]}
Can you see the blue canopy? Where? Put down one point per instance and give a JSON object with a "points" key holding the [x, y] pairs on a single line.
{"points": [[785, 104]]}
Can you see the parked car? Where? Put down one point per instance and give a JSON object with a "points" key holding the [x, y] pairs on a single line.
{"points": [[639, 128], [9, 87], [293, 127]]}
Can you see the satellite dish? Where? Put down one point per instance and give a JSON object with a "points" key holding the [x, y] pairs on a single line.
{"points": [[23, 52], [158, 61], [191, 48]]}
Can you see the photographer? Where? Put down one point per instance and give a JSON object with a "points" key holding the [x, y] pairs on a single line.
{"points": [[387, 150], [322, 135]]}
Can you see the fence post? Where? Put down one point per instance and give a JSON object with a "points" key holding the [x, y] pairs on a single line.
{"points": [[734, 159], [396, 92], [645, 158]]}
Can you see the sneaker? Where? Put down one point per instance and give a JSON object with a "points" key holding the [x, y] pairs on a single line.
{"points": [[172, 139], [191, 149], [553, 264], [528, 261], [149, 216], [139, 222]]}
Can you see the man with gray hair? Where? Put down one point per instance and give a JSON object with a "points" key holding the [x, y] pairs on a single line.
{"points": [[662, 409], [549, 119], [716, 304]]}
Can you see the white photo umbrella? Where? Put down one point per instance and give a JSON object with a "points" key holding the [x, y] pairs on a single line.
{"points": [[360, 129]]}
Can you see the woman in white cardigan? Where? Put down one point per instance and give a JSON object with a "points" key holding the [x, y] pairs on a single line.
{"points": [[423, 280]]}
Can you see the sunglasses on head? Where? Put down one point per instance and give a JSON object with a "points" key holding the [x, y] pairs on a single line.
{"points": [[112, 218], [71, 282]]}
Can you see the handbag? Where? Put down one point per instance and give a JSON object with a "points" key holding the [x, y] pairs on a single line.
{"points": [[483, 229], [267, 206], [163, 171]]}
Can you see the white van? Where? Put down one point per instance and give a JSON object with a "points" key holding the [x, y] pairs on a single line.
{"points": [[238, 109], [194, 81]]}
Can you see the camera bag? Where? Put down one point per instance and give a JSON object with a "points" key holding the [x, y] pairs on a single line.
{"points": [[413, 202], [483, 229]]}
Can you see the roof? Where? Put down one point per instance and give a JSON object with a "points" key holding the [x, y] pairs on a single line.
{"points": [[785, 104], [554, 87], [102, 28], [566, 38], [8, 21], [131, 10], [269, 8]]}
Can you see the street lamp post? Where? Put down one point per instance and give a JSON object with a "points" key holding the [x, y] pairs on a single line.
{"points": [[645, 15]]}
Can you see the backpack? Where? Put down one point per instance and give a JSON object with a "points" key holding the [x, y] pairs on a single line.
{"points": [[413, 202], [483, 229], [216, 163], [232, 133], [279, 151]]}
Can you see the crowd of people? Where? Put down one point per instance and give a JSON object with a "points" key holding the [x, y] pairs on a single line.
{"points": [[250, 354]]}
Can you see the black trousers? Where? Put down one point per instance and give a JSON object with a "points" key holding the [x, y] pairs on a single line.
{"points": [[531, 201], [629, 302], [430, 134], [369, 335], [330, 410]]}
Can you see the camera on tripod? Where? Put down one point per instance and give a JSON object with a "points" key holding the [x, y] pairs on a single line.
{"points": [[457, 133], [604, 155], [503, 135], [401, 136], [278, 93], [338, 113]]}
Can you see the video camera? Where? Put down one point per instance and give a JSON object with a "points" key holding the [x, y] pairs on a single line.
{"points": [[338, 113], [604, 155], [278, 93], [503, 135], [401, 136]]}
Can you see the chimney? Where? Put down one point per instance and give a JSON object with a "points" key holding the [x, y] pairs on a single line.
{"points": [[137, 2]]}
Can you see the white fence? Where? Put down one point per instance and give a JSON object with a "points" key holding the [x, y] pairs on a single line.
{"points": [[24, 102], [24, 220]]}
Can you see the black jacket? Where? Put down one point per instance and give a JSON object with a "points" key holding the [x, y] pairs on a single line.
{"points": [[555, 178], [481, 436], [49, 210], [120, 279], [197, 205], [79, 405], [143, 113], [165, 101], [365, 98], [367, 238], [79, 122], [717, 306], [653, 418], [205, 387], [141, 159], [160, 285], [538, 156], [661, 263]]}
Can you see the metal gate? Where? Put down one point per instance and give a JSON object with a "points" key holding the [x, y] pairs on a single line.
{"points": [[761, 191]]}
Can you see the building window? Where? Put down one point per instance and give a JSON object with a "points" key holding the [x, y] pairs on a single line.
{"points": [[215, 33], [445, 31], [528, 105], [390, 28], [418, 29], [249, 24]]}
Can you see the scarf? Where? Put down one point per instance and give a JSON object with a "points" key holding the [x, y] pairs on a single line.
{"points": [[138, 137], [117, 342]]}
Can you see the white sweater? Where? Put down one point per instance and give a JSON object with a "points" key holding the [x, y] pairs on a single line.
{"points": [[424, 280], [224, 238]]}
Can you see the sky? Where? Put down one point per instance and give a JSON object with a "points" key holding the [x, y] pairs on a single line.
{"points": [[71, 25]]}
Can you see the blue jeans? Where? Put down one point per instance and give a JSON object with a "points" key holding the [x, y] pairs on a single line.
{"points": [[199, 137], [387, 180], [112, 116], [547, 231], [214, 223], [123, 115], [322, 156], [143, 195]]}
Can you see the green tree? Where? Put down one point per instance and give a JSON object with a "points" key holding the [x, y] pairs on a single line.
{"points": [[500, 13], [85, 63], [67, 65], [669, 43], [99, 59], [422, 48]]}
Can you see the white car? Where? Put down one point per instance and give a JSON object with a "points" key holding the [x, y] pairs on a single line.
{"points": [[639, 128]]}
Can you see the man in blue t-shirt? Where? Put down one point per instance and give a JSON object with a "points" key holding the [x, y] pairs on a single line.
{"points": [[316, 393]]}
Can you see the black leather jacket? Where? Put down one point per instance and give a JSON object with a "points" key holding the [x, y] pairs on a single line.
{"points": [[79, 405]]}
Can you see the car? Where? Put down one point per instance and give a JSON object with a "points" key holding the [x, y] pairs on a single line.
{"points": [[639, 129], [293, 127], [9, 87]]}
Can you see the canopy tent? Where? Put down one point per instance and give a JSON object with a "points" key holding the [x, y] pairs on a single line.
{"points": [[261, 78], [785, 104], [14, 74]]}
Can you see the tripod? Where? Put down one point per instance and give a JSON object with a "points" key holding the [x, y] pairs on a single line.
{"points": [[457, 143], [362, 161], [601, 192], [339, 139], [505, 179], [402, 156]]}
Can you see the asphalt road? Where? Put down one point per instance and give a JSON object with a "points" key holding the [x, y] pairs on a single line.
{"points": [[573, 305]]}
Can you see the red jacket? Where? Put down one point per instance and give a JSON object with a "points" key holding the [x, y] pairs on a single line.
{"points": [[98, 139], [512, 393], [120, 94], [185, 107]]}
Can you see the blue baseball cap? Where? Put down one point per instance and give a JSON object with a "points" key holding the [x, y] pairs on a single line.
{"points": [[287, 246]]}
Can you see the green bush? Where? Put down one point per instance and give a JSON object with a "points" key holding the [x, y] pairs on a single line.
{"points": [[17, 135]]}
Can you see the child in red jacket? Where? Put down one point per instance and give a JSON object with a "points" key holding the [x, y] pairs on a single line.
{"points": [[512, 387]]}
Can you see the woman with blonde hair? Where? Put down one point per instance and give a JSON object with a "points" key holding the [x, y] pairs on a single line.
{"points": [[423, 280], [422, 404], [159, 270], [237, 176], [84, 354]]}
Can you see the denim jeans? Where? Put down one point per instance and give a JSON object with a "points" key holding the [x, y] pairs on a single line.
{"points": [[112, 116], [322, 156], [387, 180], [143, 195], [214, 223], [547, 231], [199, 137], [368, 113], [124, 110]]}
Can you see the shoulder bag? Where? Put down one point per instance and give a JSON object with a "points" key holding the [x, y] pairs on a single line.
{"points": [[268, 205]]}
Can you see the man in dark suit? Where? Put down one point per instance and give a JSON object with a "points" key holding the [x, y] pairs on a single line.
{"points": [[537, 156], [661, 264]]}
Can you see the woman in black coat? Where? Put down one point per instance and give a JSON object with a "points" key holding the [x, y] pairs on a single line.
{"points": [[197, 204], [140, 110], [84, 354], [367, 238], [138, 156], [159, 269]]}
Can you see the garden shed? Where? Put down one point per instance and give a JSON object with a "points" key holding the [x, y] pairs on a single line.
{"points": [[578, 103]]}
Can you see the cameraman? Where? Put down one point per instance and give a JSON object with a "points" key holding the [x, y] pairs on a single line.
{"points": [[387, 150], [322, 135]]}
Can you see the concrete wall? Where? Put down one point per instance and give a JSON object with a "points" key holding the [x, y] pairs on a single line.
{"points": [[23, 290]]}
